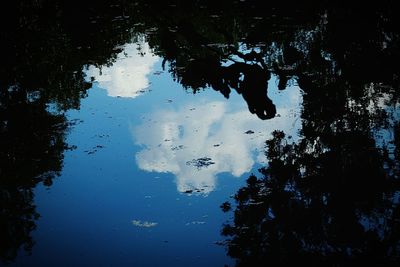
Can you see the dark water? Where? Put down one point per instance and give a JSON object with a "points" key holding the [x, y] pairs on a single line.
{"points": [[199, 133]]}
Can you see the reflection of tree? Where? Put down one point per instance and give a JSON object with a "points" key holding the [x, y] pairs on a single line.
{"points": [[332, 198], [45, 45], [200, 43], [239, 47], [329, 207], [31, 151]]}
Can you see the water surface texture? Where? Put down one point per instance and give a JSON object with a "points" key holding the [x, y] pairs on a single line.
{"points": [[199, 133]]}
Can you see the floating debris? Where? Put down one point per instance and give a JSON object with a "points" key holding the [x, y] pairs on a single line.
{"points": [[177, 147], [194, 190], [144, 224], [102, 135], [93, 149], [195, 222], [249, 132], [201, 162]]}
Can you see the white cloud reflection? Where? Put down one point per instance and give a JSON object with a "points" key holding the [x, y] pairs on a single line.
{"points": [[127, 77], [200, 140]]}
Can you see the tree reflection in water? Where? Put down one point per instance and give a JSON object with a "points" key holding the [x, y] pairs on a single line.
{"points": [[41, 77], [32, 146], [331, 199], [314, 204]]}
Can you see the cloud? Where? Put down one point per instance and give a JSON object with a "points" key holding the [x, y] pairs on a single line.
{"points": [[199, 140], [127, 77]]}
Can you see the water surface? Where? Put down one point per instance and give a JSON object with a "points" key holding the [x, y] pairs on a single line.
{"points": [[193, 134]]}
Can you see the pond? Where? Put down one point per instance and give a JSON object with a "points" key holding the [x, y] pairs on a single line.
{"points": [[200, 133]]}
